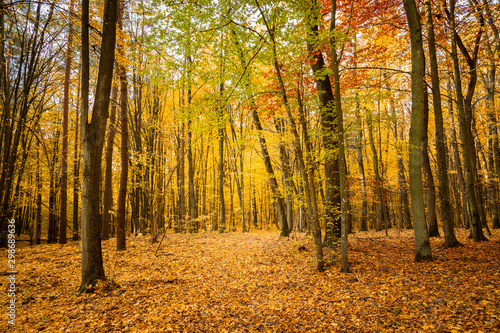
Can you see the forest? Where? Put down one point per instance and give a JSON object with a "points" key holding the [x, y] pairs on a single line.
{"points": [[249, 166]]}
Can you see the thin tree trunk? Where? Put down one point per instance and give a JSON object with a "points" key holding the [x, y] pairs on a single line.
{"points": [[450, 239], [403, 206], [458, 163], [122, 192], [182, 186], [38, 182], [378, 181], [53, 230], [359, 150], [344, 263], [221, 134], [361, 167], [108, 173], [426, 166], [76, 167], [465, 119], [64, 154]]}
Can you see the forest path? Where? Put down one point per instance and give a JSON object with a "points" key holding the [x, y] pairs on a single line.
{"points": [[258, 282]]}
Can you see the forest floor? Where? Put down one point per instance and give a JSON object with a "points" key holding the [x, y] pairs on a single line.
{"points": [[257, 282]]}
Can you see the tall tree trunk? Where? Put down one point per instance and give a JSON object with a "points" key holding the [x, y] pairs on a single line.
{"points": [[76, 168], [182, 186], [38, 182], [344, 263], [122, 192], [359, 153], [457, 161], [464, 106], [221, 134], [64, 154], [193, 202], [222, 203], [328, 124], [242, 184], [446, 210], [93, 133], [422, 245], [489, 81]]}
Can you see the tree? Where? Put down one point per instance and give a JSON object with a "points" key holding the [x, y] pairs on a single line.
{"points": [[108, 171], [344, 263], [27, 64], [450, 239], [422, 245], [489, 81], [64, 154], [328, 123], [122, 193], [465, 114], [93, 139]]}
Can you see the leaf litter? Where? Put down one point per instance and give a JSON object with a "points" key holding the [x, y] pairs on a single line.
{"points": [[257, 282]]}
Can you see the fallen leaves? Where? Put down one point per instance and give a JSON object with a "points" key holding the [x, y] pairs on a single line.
{"points": [[257, 282]]}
